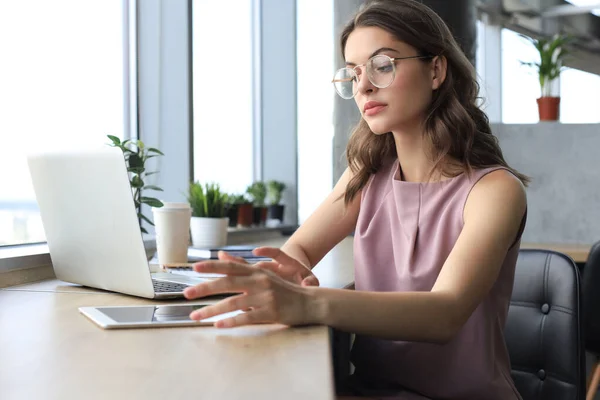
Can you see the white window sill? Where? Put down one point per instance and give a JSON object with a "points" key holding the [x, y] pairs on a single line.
{"points": [[36, 255]]}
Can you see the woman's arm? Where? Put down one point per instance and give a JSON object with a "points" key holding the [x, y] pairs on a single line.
{"points": [[492, 216], [326, 227]]}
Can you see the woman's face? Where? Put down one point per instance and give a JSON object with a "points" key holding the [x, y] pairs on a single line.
{"points": [[403, 104]]}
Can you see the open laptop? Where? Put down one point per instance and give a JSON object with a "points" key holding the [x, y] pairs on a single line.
{"points": [[88, 212]]}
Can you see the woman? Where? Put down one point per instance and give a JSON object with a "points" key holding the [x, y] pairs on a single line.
{"points": [[437, 215]]}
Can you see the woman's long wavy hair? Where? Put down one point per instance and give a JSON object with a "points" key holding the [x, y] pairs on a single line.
{"points": [[457, 128]]}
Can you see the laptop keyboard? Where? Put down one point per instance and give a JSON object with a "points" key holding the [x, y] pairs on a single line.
{"points": [[168, 287]]}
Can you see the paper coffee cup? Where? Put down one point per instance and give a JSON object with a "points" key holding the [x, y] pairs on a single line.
{"points": [[172, 226]]}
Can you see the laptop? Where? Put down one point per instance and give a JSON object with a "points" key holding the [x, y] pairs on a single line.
{"points": [[89, 216]]}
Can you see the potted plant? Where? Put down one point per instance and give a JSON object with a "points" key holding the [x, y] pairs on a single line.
{"points": [[233, 206], [552, 53], [209, 220], [245, 215], [258, 192], [136, 154], [274, 191]]}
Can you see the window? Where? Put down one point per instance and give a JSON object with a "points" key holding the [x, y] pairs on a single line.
{"points": [[579, 97], [480, 53], [582, 3], [520, 85], [315, 60], [222, 53], [62, 80]]}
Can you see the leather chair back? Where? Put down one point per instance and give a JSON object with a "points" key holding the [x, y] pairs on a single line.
{"points": [[591, 300], [543, 331]]}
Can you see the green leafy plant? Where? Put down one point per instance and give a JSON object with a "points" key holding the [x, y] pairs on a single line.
{"points": [[237, 199], [258, 192], [136, 154], [207, 200], [275, 190], [552, 53]]}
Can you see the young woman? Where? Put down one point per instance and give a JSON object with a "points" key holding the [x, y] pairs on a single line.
{"points": [[437, 216]]}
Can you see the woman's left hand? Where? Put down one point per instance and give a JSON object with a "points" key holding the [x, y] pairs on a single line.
{"points": [[266, 297]]}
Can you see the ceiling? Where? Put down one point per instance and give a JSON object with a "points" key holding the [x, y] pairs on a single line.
{"points": [[546, 17]]}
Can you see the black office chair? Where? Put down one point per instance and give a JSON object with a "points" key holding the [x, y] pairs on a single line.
{"points": [[591, 313], [544, 330]]}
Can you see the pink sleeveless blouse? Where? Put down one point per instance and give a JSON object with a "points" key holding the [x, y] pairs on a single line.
{"points": [[405, 232]]}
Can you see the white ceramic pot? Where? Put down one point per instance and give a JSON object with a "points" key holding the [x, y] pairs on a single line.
{"points": [[209, 232]]}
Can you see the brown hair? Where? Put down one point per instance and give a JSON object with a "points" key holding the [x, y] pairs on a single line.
{"points": [[456, 126]]}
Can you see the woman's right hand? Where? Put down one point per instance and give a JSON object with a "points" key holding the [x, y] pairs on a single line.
{"points": [[286, 266]]}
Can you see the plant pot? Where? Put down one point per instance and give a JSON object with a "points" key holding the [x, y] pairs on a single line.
{"points": [[209, 232], [256, 214], [276, 212], [245, 215], [232, 214], [259, 216], [548, 108], [263, 216]]}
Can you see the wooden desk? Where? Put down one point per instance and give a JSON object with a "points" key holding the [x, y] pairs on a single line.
{"points": [[579, 253], [50, 351]]}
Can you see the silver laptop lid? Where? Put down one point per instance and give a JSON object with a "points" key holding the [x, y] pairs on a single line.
{"points": [[89, 218]]}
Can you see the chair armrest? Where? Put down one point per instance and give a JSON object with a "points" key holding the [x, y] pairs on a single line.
{"points": [[340, 356]]}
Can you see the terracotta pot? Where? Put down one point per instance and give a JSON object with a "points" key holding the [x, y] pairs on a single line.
{"points": [[549, 108], [245, 215]]}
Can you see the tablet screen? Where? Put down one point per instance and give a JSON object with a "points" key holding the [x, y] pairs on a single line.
{"points": [[149, 313], [168, 314]]}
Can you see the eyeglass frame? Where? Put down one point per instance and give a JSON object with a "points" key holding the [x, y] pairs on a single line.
{"points": [[392, 61]]}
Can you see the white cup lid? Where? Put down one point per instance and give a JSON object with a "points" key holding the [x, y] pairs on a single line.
{"points": [[172, 206]]}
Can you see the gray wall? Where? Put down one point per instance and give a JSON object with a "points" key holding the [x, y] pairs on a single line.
{"points": [[563, 162], [345, 112]]}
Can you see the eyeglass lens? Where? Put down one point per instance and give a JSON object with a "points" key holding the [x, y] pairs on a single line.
{"points": [[380, 71]]}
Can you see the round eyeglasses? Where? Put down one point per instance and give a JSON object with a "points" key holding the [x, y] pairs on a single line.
{"points": [[381, 71]]}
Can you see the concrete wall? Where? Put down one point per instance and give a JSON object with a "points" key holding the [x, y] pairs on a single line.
{"points": [[563, 162], [345, 112]]}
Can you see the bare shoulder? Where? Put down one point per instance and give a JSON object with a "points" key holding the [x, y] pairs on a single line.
{"points": [[498, 192]]}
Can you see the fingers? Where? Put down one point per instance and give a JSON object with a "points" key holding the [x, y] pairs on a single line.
{"points": [[230, 284], [252, 317], [223, 267], [224, 256], [268, 265], [310, 281], [239, 302], [276, 254]]}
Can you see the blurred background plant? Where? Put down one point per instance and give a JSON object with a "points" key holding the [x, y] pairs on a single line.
{"points": [[207, 201]]}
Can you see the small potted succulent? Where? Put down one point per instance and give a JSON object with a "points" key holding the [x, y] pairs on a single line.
{"points": [[245, 212], [274, 191], [233, 206], [209, 218], [258, 192]]}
